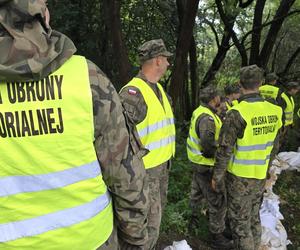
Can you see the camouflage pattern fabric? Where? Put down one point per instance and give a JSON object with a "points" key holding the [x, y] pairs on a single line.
{"points": [[208, 93], [244, 197], [136, 110], [134, 102], [158, 184], [120, 156], [201, 184], [206, 129], [271, 77], [151, 49], [29, 49], [251, 74]]}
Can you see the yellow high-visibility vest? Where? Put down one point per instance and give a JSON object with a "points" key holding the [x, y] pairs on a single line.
{"points": [[157, 130], [252, 152], [269, 91], [234, 102], [52, 194], [289, 110], [194, 148]]}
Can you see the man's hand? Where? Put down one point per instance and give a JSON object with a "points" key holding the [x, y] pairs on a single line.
{"points": [[213, 184], [218, 186]]}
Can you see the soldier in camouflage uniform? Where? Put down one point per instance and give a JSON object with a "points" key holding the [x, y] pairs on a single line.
{"points": [[249, 135], [232, 93], [153, 57], [201, 148], [30, 51]]}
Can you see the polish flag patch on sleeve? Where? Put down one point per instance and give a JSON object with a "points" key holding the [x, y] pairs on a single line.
{"points": [[132, 91]]}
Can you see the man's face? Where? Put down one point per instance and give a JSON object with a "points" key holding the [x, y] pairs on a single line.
{"points": [[236, 96], [162, 63], [294, 91], [217, 102]]}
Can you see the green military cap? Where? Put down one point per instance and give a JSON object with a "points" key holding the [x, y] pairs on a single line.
{"points": [[151, 49], [292, 85], [232, 89], [252, 74], [208, 93], [271, 77]]}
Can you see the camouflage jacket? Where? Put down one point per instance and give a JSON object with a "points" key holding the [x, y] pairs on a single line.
{"points": [[119, 155], [206, 129], [30, 50], [135, 105], [233, 127]]}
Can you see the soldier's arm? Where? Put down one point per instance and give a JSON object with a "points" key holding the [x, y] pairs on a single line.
{"points": [[276, 146], [282, 103], [233, 127], [134, 104], [122, 168], [206, 129]]}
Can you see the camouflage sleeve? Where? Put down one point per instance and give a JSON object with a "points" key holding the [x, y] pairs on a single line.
{"points": [[134, 104], [122, 168], [232, 128], [282, 103], [206, 129], [276, 146]]}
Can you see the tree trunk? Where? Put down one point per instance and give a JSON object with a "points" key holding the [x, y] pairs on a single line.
{"points": [[256, 35], [113, 22], [229, 20], [193, 76], [266, 51], [183, 45], [290, 62], [218, 60]]}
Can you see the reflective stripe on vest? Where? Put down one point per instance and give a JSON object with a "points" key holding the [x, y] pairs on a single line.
{"points": [[289, 110], [34, 183], [41, 224], [52, 193], [252, 152], [194, 148], [157, 130], [269, 91]]}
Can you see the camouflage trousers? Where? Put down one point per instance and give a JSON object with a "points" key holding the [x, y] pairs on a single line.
{"points": [[202, 191], [244, 198], [158, 178]]}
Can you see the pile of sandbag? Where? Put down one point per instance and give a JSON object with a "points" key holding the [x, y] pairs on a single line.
{"points": [[274, 236], [179, 245]]}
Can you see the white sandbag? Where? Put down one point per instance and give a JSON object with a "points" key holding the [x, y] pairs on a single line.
{"points": [[292, 159], [179, 245], [274, 236]]}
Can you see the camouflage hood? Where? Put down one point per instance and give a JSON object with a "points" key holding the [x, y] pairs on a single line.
{"points": [[29, 48]]}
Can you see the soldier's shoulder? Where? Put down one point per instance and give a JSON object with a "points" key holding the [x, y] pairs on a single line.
{"points": [[131, 95], [234, 119], [205, 121], [97, 76], [204, 117]]}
